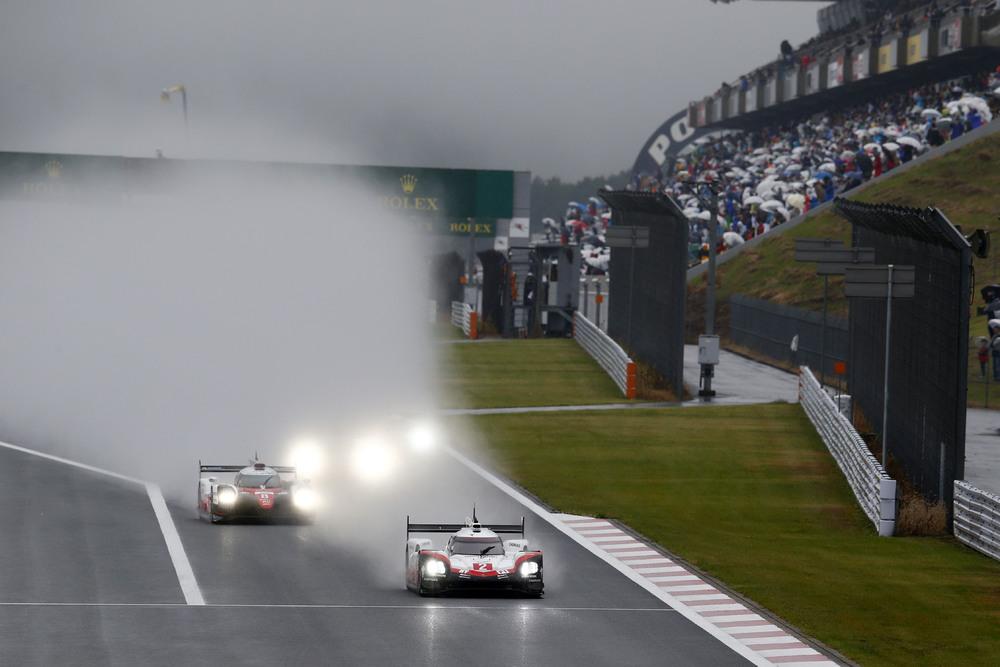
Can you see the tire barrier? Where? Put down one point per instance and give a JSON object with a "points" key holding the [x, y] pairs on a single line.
{"points": [[977, 519], [606, 352], [873, 488], [465, 318]]}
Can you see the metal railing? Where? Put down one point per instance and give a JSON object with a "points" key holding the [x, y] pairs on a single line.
{"points": [[977, 519], [464, 317], [873, 488], [606, 352]]}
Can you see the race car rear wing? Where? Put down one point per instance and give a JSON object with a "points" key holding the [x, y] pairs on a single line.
{"points": [[288, 470], [512, 528]]}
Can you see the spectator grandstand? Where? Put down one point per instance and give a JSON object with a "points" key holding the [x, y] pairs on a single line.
{"points": [[790, 135]]}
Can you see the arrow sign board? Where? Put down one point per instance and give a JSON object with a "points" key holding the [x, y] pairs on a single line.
{"points": [[627, 236], [873, 281]]}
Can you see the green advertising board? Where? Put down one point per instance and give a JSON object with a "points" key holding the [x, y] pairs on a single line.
{"points": [[445, 201]]}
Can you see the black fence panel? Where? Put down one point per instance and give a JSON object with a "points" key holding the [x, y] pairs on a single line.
{"points": [[768, 328], [647, 317], [928, 346]]}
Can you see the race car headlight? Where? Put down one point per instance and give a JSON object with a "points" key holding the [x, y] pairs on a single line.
{"points": [[226, 496], [304, 499], [422, 437], [528, 569], [435, 568]]}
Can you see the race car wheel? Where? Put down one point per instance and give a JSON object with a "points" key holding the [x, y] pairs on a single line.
{"points": [[423, 592]]}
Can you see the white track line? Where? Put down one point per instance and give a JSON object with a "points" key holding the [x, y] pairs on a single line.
{"points": [[653, 589], [436, 607], [185, 575]]}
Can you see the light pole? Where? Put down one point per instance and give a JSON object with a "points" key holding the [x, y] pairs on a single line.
{"points": [[179, 88]]}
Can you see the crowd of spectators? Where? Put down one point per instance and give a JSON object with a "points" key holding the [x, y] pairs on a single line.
{"points": [[880, 18], [768, 177]]}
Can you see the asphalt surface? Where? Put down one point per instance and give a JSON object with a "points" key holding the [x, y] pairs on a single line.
{"points": [[739, 380], [87, 580]]}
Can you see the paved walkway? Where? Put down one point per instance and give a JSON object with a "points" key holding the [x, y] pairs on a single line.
{"points": [[982, 449], [739, 380]]}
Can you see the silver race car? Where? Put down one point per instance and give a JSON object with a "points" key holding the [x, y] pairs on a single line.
{"points": [[475, 558], [257, 491]]}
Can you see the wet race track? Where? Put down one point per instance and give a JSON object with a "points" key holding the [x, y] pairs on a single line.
{"points": [[88, 580]]}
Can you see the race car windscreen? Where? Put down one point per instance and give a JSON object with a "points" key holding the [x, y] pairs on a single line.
{"points": [[476, 546], [256, 481]]}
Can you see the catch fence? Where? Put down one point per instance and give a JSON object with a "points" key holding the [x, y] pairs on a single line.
{"points": [[768, 328], [873, 488], [465, 318], [607, 353], [977, 519], [646, 313], [929, 344]]}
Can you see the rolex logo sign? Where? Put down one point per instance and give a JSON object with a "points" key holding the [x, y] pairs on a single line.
{"points": [[53, 168], [411, 203], [409, 183]]}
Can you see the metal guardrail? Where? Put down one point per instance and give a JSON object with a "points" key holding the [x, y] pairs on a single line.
{"points": [[977, 519], [606, 352], [873, 488], [465, 318]]}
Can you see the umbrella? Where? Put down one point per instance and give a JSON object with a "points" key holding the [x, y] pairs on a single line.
{"points": [[784, 213], [910, 141], [828, 166], [930, 113], [872, 147], [771, 205], [891, 146], [705, 215], [754, 199], [691, 213], [796, 201], [732, 239]]}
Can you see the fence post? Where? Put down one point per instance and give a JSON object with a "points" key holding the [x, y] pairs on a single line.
{"points": [[473, 325], [630, 380]]}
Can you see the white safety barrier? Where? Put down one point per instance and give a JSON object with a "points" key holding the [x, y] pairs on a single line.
{"points": [[977, 519], [608, 354], [874, 489], [465, 318]]}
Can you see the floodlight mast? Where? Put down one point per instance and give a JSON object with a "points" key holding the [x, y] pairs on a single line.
{"points": [[178, 88]]}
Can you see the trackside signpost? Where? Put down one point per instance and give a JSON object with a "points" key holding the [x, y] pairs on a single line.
{"points": [[832, 259], [882, 282]]}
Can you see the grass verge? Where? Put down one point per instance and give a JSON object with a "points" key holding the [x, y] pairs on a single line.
{"points": [[750, 495], [523, 373]]}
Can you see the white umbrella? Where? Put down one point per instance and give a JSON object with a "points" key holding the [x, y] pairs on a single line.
{"points": [[796, 201], [872, 147], [705, 215], [771, 205], [691, 213], [784, 213], [891, 146], [732, 239], [828, 166], [910, 141], [930, 113], [752, 200]]}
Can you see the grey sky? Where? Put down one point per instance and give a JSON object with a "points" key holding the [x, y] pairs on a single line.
{"points": [[558, 87]]}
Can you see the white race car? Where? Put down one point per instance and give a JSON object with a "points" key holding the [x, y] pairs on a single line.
{"points": [[475, 558]]}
